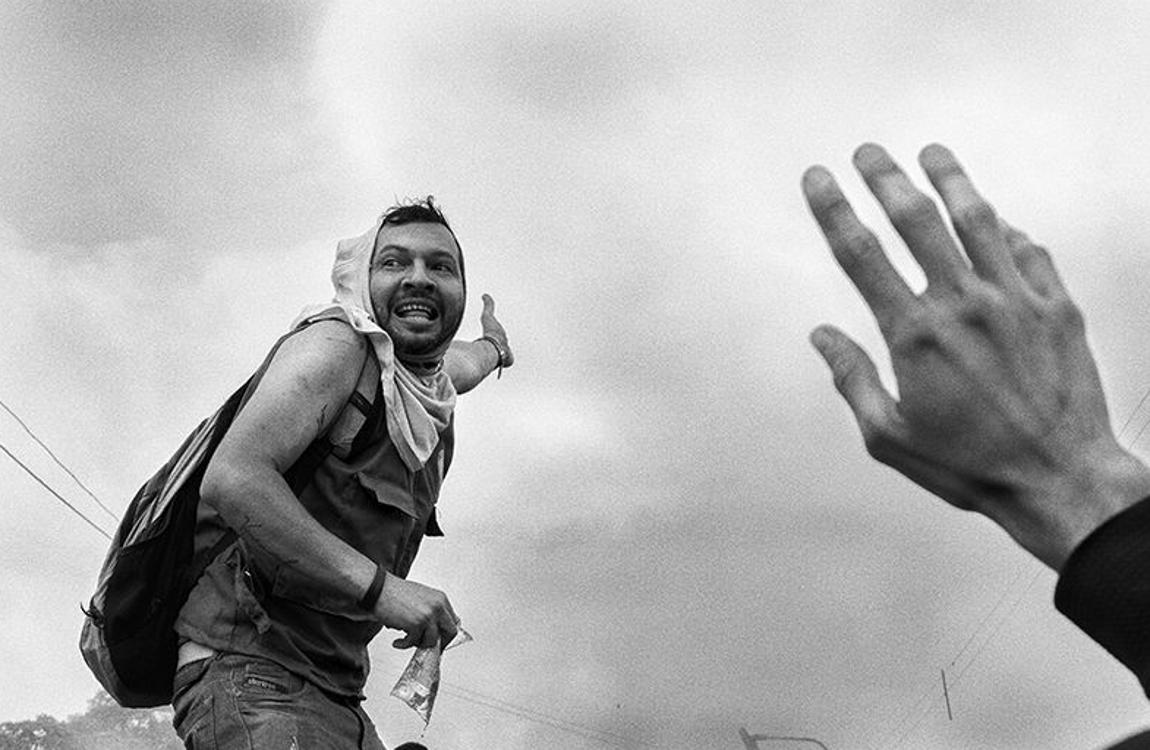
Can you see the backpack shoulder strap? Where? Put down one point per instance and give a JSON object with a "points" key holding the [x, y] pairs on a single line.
{"points": [[364, 408], [342, 435]]}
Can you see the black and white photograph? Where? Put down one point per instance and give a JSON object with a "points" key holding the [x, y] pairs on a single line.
{"points": [[573, 374]]}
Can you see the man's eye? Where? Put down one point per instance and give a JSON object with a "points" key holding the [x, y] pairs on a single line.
{"points": [[390, 263]]}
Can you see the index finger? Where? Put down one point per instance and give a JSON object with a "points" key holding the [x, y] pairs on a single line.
{"points": [[856, 248]]}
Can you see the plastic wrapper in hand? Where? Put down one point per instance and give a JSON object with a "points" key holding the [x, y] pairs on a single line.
{"points": [[419, 683]]}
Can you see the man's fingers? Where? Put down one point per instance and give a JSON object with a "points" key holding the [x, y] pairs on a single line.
{"points": [[448, 629], [423, 638], [487, 317], [493, 328], [974, 219], [856, 248], [856, 378], [1033, 263], [430, 637], [913, 214], [448, 622]]}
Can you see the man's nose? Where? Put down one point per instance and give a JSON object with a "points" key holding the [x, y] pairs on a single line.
{"points": [[417, 276]]}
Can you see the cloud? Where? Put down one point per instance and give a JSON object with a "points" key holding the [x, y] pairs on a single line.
{"points": [[140, 120], [660, 522]]}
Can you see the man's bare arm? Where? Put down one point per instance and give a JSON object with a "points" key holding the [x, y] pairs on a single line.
{"points": [[301, 393], [1000, 409], [467, 363]]}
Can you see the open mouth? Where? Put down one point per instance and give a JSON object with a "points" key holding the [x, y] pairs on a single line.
{"points": [[416, 311]]}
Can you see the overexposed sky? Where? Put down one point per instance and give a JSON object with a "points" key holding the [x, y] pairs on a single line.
{"points": [[661, 525]]}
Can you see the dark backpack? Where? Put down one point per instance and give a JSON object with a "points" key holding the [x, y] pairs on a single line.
{"points": [[128, 639]]}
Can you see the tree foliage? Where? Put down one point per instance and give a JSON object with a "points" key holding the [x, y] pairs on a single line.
{"points": [[104, 726]]}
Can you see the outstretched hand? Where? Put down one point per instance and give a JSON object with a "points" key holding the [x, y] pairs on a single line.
{"points": [[467, 363], [493, 328], [1000, 408]]}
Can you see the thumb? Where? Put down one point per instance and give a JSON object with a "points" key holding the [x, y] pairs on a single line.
{"points": [[856, 379], [488, 305]]}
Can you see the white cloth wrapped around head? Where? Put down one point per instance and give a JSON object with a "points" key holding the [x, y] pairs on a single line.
{"points": [[419, 406]]}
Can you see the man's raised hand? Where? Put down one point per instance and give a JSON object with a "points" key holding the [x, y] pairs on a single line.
{"points": [[1000, 408], [494, 329]]}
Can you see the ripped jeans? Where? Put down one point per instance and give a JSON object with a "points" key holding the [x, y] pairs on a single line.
{"points": [[236, 702]]}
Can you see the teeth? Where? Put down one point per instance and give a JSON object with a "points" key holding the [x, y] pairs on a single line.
{"points": [[415, 308]]}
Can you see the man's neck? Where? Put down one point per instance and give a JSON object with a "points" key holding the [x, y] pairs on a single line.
{"points": [[422, 368]]}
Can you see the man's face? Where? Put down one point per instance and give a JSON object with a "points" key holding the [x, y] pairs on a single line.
{"points": [[416, 287]]}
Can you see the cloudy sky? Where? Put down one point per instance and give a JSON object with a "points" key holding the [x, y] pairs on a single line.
{"points": [[661, 526]]}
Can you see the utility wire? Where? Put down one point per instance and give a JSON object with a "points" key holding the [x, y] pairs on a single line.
{"points": [[1001, 623], [522, 712], [922, 707], [463, 693], [1129, 419], [918, 712], [59, 463], [55, 494], [974, 635], [1130, 445], [540, 714], [1016, 601]]}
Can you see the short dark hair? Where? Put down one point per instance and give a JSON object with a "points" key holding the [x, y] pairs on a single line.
{"points": [[411, 746], [420, 210], [417, 210]]}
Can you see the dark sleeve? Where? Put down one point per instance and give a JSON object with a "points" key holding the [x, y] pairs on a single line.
{"points": [[1104, 588]]}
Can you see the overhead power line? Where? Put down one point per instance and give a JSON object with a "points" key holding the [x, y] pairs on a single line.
{"points": [[473, 696], [538, 717], [921, 708], [1129, 419], [55, 494], [59, 463]]}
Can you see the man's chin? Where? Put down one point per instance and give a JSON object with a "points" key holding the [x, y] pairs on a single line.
{"points": [[409, 348], [414, 345]]}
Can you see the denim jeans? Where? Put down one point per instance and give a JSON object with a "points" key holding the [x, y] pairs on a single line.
{"points": [[235, 702]]}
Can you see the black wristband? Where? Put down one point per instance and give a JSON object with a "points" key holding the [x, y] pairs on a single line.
{"points": [[371, 596]]}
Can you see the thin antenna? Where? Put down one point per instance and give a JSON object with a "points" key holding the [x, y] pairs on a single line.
{"points": [[946, 694]]}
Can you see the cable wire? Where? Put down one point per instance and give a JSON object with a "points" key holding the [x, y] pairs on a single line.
{"points": [[1129, 419], [528, 714], [1014, 604], [529, 710], [59, 463], [55, 494], [474, 696]]}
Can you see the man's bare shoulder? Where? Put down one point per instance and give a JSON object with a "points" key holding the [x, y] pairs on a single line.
{"points": [[326, 354]]}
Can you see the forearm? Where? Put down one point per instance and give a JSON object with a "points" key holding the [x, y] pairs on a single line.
{"points": [[301, 559], [468, 362]]}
